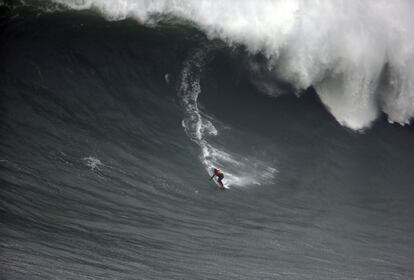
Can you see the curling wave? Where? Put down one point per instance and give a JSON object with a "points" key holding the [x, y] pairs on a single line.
{"points": [[357, 55]]}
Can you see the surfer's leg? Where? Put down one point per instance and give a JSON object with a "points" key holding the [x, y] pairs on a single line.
{"points": [[220, 182]]}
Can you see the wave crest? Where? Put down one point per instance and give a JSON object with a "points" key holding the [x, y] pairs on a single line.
{"points": [[339, 47]]}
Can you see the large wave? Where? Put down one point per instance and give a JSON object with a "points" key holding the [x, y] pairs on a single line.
{"points": [[358, 55]]}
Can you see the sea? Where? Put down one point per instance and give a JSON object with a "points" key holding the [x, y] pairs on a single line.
{"points": [[113, 115]]}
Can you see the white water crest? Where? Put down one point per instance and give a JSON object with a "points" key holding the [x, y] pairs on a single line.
{"points": [[339, 47], [239, 170]]}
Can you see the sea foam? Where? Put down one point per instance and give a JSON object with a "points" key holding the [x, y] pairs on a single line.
{"points": [[358, 55]]}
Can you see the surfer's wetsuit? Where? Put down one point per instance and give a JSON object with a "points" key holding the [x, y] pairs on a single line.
{"points": [[220, 176]]}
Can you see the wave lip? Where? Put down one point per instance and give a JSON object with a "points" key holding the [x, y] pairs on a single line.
{"points": [[339, 47]]}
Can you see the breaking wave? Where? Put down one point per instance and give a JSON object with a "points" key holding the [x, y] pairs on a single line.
{"points": [[358, 55]]}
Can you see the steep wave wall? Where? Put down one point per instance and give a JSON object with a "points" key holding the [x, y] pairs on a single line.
{"points": [[359, 56]]}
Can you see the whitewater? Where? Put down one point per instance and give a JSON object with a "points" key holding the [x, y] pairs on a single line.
{"points": [[344, 49]]}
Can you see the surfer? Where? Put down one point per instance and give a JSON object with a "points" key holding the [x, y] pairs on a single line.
{"points": [[220, 176]]}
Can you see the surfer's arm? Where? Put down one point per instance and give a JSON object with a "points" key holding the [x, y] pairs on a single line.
{"points": [[212, 176]]}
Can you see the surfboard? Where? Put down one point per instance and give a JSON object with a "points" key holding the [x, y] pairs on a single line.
{"points": [[218, 185]]}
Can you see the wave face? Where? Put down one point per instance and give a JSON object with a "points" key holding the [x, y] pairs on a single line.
{"points": [[341, 48], [240, 171], [109, 131]]}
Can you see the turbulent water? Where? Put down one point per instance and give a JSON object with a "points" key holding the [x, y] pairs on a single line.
{"points": [[113, 114]]}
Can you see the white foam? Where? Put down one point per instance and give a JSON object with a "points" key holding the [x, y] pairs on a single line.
{"points": [[167, 78], [94, 163], [339, 47]]}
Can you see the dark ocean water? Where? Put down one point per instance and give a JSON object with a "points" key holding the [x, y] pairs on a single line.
{"points": [[100, 180]]}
